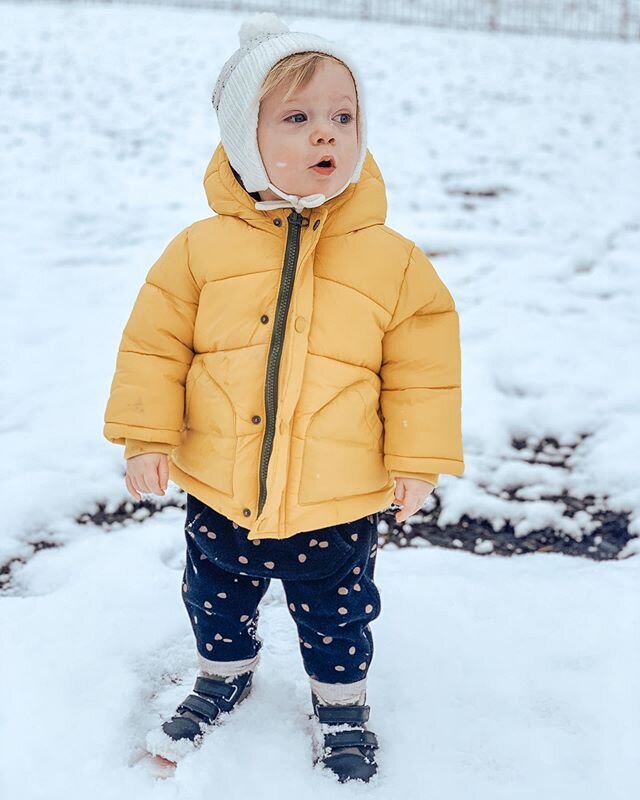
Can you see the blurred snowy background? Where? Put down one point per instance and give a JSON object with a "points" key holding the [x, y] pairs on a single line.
{"points": [[514, 161]]}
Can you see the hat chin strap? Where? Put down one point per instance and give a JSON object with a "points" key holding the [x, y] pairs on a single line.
{"points": [[296, 201]]}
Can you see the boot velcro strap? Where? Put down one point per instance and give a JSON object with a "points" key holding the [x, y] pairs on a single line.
{"points": [[215, 688], [200, 706], [351, 739], [334, 715]]}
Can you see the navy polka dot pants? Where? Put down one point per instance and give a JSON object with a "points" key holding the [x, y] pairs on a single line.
{"points": [[327, 576]]}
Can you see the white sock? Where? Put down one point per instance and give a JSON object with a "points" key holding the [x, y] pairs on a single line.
{"points": [[346, 694], [226, 669]]}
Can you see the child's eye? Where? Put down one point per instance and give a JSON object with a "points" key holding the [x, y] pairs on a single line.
{"points": [[299, 114], [345, 114]]}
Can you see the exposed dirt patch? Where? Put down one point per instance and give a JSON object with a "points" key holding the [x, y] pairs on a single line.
{"points": [[478, 535]]}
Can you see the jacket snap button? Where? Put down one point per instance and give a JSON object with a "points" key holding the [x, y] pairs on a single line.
{"points": [[246, 512], [277, 221], [264, 318], [300, 324], [315, 224], [255, 419]]}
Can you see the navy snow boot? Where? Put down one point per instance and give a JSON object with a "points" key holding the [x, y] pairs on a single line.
{"points": [[210, 697], [344, 746]]}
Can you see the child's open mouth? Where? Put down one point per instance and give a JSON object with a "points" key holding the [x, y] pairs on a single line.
{"points": [[325, 166]]}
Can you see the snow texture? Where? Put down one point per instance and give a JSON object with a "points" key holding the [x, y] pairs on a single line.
{"points": [[514, 162]]}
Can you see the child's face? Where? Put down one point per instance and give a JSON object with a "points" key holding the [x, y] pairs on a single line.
{"points": [[319, 120]]}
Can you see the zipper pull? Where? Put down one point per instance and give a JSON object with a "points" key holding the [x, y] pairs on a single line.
{"points": [[295, 218]]}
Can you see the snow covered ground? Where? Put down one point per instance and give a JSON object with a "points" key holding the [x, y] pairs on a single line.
{"points": [[516, 160]]}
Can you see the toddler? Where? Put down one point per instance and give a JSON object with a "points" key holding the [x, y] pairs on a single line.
{"points": [[293, 364]]}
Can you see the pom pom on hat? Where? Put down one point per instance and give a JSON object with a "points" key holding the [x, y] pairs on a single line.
{"points": [[260, 24]]}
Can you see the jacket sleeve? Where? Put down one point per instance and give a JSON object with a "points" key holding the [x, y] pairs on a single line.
{"points": [[427, 476], [134, 447], [146, 400], [421, 377]]}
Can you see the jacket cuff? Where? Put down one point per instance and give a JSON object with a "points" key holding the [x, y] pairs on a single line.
{"points": [[425, 476], [136, 447]]}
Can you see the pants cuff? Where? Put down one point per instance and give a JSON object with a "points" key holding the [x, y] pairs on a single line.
{"points": [[340, 693], [227, 669]]}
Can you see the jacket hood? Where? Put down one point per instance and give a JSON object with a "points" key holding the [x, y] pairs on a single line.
{"points": [[360, 205]]}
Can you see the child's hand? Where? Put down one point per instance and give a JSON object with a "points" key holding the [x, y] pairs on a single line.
{"points": [[411, 494], [148, 472]]}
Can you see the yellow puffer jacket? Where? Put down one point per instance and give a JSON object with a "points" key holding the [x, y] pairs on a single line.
{"points": [[291, 365]]}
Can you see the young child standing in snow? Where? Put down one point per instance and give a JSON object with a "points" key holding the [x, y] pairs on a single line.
{"points": [[294, 365]]}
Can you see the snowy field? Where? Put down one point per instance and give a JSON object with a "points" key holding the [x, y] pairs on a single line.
{"points": [[514, 161]]}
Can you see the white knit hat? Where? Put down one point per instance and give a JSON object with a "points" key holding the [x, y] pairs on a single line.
{"points": [[265, 40]]}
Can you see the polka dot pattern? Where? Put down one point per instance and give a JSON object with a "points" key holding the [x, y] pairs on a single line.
{"points": [[327, 576]]}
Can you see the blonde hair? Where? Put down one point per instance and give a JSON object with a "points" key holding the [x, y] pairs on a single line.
{"points": [[296, 70]]}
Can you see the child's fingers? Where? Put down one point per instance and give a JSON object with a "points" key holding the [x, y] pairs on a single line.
{"points": [[138, 475], [399, 492], [131, 488], [152, 477], [415, 499], [141, 481], [163, 473]]}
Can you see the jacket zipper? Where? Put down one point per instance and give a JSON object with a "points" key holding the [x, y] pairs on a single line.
{"points": [[296, 222]]}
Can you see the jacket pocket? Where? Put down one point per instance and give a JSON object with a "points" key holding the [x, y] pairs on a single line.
{"points": [[342, 453], [209, 448]]}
